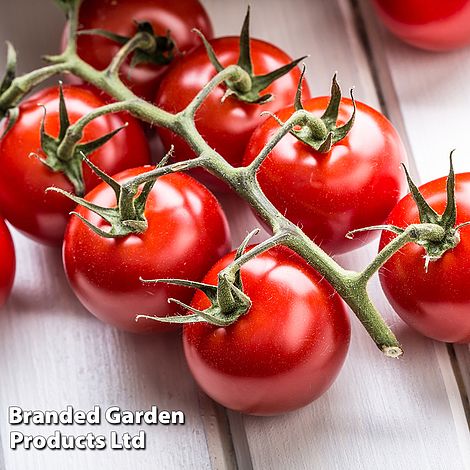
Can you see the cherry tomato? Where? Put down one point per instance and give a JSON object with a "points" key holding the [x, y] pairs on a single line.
{"points": [[437, 302], [119, 16], [285, 351], [24, 179], [228, 125], [187, 232], [354, 185], [7, 262], [429, 24]]}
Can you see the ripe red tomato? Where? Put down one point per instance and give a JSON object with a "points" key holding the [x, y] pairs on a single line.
{"points": [[7, 262], [437, 302], [285, 351], [24, 179], [187, 232], [429, 24], [178, 18], [354, 185], [228, 125]]}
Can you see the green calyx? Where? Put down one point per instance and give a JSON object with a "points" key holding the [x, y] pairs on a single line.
{"points": [[436, 233], [67, 5], [10, 74], [69, 163], [321, 133], [427, 215], [128, 217], [153, 49], [250, 86], [228, 301]]}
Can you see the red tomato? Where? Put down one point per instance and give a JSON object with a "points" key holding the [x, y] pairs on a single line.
{"points": [[187, 232], [226, 126], [437, 302], [429, 24], [119, 16], [7, 262], [354, 185], [285, 351], [24, 179]]}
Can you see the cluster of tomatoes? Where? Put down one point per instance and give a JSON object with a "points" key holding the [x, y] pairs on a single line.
{"points": [[290, 345]]}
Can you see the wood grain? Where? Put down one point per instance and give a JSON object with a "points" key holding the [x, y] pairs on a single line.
{"points": [[428, 95], [381, 413], [377, 407]]}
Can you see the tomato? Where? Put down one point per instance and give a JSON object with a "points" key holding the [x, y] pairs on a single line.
{"points": [[228, 125], [429, 24], [285, 351], [7, 262], [187, 232], [178, 18], [24, 179], [356, 184], [435, 302]]}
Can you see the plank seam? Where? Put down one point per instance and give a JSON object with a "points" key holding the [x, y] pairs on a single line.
{"points": [[387, 95], [460, 381]]}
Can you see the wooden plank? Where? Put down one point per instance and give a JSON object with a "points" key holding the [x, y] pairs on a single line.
{"points": [[428, 94], [380, 413], [55, 353]]}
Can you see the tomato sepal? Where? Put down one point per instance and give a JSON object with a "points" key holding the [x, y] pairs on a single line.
{"points": [[12, 116], [249, 88], [158, 50], [228, 300], [10, 70], [68, 5], [69, 163], [321, 133], [10, 75], [129, 215], [451, 238], [436, 233]]}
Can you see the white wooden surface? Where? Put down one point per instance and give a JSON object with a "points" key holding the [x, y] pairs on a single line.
{"points": [[405, 414]]}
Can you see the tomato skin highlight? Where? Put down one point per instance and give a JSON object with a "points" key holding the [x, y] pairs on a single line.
{"points": [[178, 17], [187, 232], [285, 351], [225, 126], [7, 263], [24, 179], [435, 303], [433, 25], [355, 185]]}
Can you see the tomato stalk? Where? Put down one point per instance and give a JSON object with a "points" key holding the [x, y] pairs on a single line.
{"points": [[67, 148], [128, 217], [144, 46], [247, 87], [142, 40], [228, 300], [321, 133], [351, 286], [436, 233], [63, 154]]}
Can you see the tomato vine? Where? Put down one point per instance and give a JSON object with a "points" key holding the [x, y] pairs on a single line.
{"points": [[350, 285]]}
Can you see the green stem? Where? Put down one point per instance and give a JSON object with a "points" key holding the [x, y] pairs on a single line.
{"points": [[21, 86], [351, 286], [74, 133], [265, 245], [297, 118], [141, 40], [414, 232], [72, 18], [233, 72]]}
